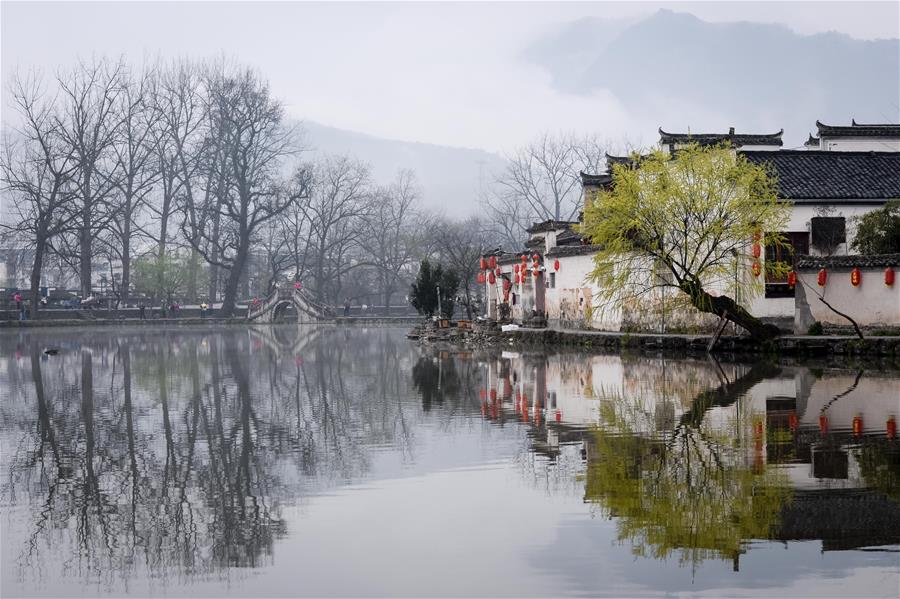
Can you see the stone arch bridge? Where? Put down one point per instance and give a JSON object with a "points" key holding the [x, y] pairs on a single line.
{"points": [[273, 307]]}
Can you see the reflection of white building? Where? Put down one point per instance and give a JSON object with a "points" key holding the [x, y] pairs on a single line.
{"points": [[776, 414]]}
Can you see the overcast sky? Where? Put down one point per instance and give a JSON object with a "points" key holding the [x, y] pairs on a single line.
{"points": [[446, 73]]}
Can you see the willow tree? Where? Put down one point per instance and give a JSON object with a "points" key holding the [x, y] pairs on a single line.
{"points": [[687, 222]]}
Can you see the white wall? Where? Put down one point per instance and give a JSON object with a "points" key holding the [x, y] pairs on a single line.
{"points": [[872, 303], [860, 144]]}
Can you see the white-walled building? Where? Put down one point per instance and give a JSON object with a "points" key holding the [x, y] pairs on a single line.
{"points": [[849, 171]]}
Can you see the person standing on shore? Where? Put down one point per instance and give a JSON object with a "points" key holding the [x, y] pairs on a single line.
{"points": [[21, 309]]}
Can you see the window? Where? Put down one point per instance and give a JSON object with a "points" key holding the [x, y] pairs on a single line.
{"points": [[828, 232], [797, 244], [552, 280]]}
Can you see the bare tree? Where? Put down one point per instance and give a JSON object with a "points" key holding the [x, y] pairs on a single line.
{"points": [[89, 124], [37, 170], [543, 181], [255, 143], [459, 247], [394, 231], [340, 196], [137, 169]]}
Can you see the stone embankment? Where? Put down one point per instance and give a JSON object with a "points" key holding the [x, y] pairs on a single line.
{"points": [[788, 345]]}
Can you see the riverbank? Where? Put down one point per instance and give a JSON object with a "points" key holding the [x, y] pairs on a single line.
{"points": [[193, 321], [788, 345]]}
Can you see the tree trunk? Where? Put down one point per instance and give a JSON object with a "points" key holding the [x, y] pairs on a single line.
{"points": [[36, 267], [734, 312], [126, 259], [193, 268], [84, 260], [234, 279]]}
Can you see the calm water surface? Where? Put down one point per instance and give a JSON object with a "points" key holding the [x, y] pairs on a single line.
{"points": [[287, 461]]}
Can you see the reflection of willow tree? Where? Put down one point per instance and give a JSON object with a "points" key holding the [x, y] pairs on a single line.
{"points": [[691, 491], [436, 379], [879, 465]]}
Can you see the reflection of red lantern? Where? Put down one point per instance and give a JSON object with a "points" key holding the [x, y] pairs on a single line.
{"points": [[482, 263], [498, 272], [889, 276], [482, 393], [506, 285], [792, 278], [516, 268], [822, 278], [492, 278], [857, 425], [480, 277], [493, 395], [556, 264], [757, 250], [792, 422], [855, 277], [558, 416], [493, 262], [537, 272], [758, 430], [891, 428], [756, 268], [823, 424]]}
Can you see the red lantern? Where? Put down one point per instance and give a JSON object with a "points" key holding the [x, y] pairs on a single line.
{"points": [[822, 277], [891, 428], [757, 236], [889, 276], [823, 424], [516, 269], [537, 272], [480, 277], [556, 264], [857, 426], [492, 278], [506, 285], [757, 250], [756, 268], [493, 262], [498, 272], [536, 257], [855, 277], [482, 263], [792, 279], [792, 422], [524, 258]]}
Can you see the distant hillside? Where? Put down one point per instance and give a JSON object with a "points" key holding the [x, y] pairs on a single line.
{"points": [[755, 76], [450, 177]]}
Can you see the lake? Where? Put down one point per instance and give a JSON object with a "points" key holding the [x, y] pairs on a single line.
{"points": [[329, 461]]}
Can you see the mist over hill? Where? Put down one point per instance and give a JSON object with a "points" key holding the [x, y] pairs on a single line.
{"points": [[677, 71], [451, 178]]}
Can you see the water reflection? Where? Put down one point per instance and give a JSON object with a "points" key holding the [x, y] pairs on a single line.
{"points": [[182, 455], [696, 458]]}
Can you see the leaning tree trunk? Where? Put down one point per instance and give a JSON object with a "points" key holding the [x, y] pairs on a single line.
{"points": [[723, 305]]}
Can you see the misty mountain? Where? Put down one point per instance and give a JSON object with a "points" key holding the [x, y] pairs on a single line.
{"points": [[755, 76], [450, 178]]}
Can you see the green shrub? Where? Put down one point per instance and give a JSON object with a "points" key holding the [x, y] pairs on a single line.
{"points": [[815, 328]]}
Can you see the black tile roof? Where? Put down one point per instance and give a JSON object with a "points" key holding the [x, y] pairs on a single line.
{"points": [[812, 141], [858, 130], [569, 237], [601, 180], [708, 139], [810, 175], [572, 250], [853, 261], [550, 225]]}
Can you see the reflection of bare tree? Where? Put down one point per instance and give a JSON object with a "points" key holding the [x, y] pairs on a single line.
{"points": [[174, 453]]}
